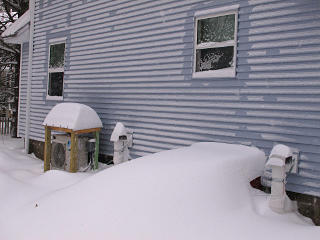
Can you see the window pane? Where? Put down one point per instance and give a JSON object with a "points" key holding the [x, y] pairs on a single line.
{"points": [[57, 55], [214, 58], [216, 29], [55, 87]]}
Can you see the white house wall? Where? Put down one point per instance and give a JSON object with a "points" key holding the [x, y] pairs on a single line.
{"points": [[132, 62]]}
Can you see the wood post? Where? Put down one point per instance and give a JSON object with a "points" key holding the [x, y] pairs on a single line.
{"points": [[73, 153], [47, 149], [96, 152]]}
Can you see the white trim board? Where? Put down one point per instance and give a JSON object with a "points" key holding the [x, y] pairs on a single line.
{"points": [[216, 10]]}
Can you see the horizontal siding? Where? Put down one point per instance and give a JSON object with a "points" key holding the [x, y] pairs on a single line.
{"points": [[132, 62]]}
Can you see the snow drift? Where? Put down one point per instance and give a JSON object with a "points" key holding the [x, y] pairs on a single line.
{"points": [[197, 192]]}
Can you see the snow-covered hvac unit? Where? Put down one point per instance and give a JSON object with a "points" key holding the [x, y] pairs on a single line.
{"points": [[75, 119], [60, 152]]}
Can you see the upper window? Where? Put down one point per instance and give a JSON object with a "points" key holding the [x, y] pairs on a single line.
{"points": [[215, 44], [56, 71]]}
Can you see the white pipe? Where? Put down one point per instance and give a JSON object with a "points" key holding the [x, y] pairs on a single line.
{"points": [[31, 9], [278, 194], [19, 104], [279, 201]]}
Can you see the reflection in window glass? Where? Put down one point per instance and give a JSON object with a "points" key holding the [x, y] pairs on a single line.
{"points": [[216, 29], [55, 87], [57, 55], [214, 58]]}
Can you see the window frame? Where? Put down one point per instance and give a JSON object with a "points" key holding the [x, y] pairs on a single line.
{"points": [[56, 70], [219, 73]]}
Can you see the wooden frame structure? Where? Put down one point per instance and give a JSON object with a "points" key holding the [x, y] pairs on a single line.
{"points": [[74, 150]]}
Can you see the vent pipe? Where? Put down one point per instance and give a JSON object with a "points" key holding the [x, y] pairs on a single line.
{"points": [[280, 159], [122, 139]]}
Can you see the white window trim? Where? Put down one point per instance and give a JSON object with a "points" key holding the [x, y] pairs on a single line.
{"points": [[57, 40], [221, 73], [50, 70], [55, 98]]}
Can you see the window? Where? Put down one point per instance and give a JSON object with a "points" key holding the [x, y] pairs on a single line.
{"points": [[215, 43], [56, 71]]}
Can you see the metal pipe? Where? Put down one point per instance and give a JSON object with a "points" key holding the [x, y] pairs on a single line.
{"points": [[96, 152]]}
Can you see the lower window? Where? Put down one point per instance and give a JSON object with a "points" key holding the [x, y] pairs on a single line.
{"points": [[214, 58], [55, 87]]}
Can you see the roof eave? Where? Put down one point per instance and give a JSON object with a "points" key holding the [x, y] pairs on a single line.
{"points": [[19, 37], [18, 32]]}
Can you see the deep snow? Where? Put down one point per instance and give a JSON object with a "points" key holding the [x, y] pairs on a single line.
{"points": [[197, 192]]}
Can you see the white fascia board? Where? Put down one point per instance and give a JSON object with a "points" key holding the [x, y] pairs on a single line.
{"points": [[20, 23], [20, 37]]}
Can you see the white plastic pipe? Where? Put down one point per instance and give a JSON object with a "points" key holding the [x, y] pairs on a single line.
{"points": [[121, 152], [279, 201], [278, 194], [29, 82]]}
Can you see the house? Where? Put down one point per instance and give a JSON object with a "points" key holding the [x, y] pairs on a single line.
{"points": [[178, 72]]}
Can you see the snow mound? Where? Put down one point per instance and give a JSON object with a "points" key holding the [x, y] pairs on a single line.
{"points": [[196, 192], [74, 116]]}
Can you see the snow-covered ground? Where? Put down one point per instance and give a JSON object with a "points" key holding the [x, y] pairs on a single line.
{"points": [[197, 192]]}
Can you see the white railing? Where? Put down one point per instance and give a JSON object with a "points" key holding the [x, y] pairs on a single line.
{"points": [[5, 125]]}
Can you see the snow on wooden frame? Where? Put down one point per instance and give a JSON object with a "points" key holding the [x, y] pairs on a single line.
{"points": [[73, 116]]}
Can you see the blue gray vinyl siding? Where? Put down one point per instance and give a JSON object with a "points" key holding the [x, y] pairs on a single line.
{"points": [[23, 89], [132, 62]]}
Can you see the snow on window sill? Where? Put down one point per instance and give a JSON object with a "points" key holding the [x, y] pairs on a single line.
{"points": [[220, 73], [56, 98]]}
